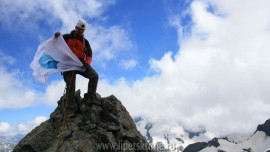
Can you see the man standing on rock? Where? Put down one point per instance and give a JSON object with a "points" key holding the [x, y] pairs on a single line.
{"points": [[82, 49]]}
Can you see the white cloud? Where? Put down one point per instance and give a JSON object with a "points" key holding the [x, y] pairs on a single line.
{"points": [[4, 127], [7, 60], [128, 64], [67, 11], [53, 92], [56, 89], [23, 128], [107, 42], [12, 91], [14, 94], [219, 78]]}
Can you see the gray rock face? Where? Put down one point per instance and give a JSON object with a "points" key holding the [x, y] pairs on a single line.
{"points": [[201, 145], [90, 128], [265, 127]]}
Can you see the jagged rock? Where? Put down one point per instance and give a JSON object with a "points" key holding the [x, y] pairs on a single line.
{"points": [[214, 142], [195, 147], [89, 128], [148, 135], [247, 150], [201, 145], [265, 127]]}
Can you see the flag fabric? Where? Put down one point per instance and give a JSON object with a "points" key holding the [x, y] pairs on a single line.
{"points": [[53, 56]]}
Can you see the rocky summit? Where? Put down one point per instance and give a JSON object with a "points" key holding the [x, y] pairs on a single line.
{"points": [[92, 127]]}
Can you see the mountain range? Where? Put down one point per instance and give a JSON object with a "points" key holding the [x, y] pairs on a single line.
{"points": [[258, 142], [7, 143], [113, 124]]}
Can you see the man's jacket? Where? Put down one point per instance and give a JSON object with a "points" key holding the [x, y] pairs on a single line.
{"points": [[79, 46]]}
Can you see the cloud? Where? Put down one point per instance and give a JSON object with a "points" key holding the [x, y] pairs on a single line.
{"points": [[13, 93], [26, 127], [56, 89], [4, 127], [128, 64], [68, 12], [108, 43], [43, 17], [7, 60], [219, 78], [23, 128], [12, 90], [53, 92], [37, 15]]}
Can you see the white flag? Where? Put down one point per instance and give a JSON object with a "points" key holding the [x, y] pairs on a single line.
{"points": [[53, 56]]}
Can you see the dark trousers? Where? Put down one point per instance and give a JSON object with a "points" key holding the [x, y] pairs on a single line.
{"points": [[70, 78]]}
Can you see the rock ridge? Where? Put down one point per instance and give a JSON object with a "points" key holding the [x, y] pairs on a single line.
{"points": [[89, 128]]}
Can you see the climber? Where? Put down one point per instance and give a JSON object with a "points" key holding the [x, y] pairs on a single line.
{"points": [[82, 49]]}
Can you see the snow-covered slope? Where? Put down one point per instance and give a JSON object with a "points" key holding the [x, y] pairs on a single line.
{"points": [[258, 142], [7, 143], [173, 139], [178, 139]]}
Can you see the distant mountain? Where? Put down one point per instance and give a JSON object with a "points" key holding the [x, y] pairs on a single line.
{"points": [[190, 141], [110, 122], [7, 143], [258, 142], [165, 141]]}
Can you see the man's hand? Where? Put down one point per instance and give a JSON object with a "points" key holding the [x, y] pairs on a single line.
{"points": [[57, 34], [86, 65]]}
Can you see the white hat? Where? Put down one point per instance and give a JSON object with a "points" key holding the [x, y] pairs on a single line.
{"points": [[81, 24]]}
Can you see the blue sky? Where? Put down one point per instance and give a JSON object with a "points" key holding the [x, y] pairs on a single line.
{"points": [[176, 63], [143, 30]]}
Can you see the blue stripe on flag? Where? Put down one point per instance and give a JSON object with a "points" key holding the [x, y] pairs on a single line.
{"points": [[46, 61]]}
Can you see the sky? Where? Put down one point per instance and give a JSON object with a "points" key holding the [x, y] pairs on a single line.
{"points": [[187, 64]]}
